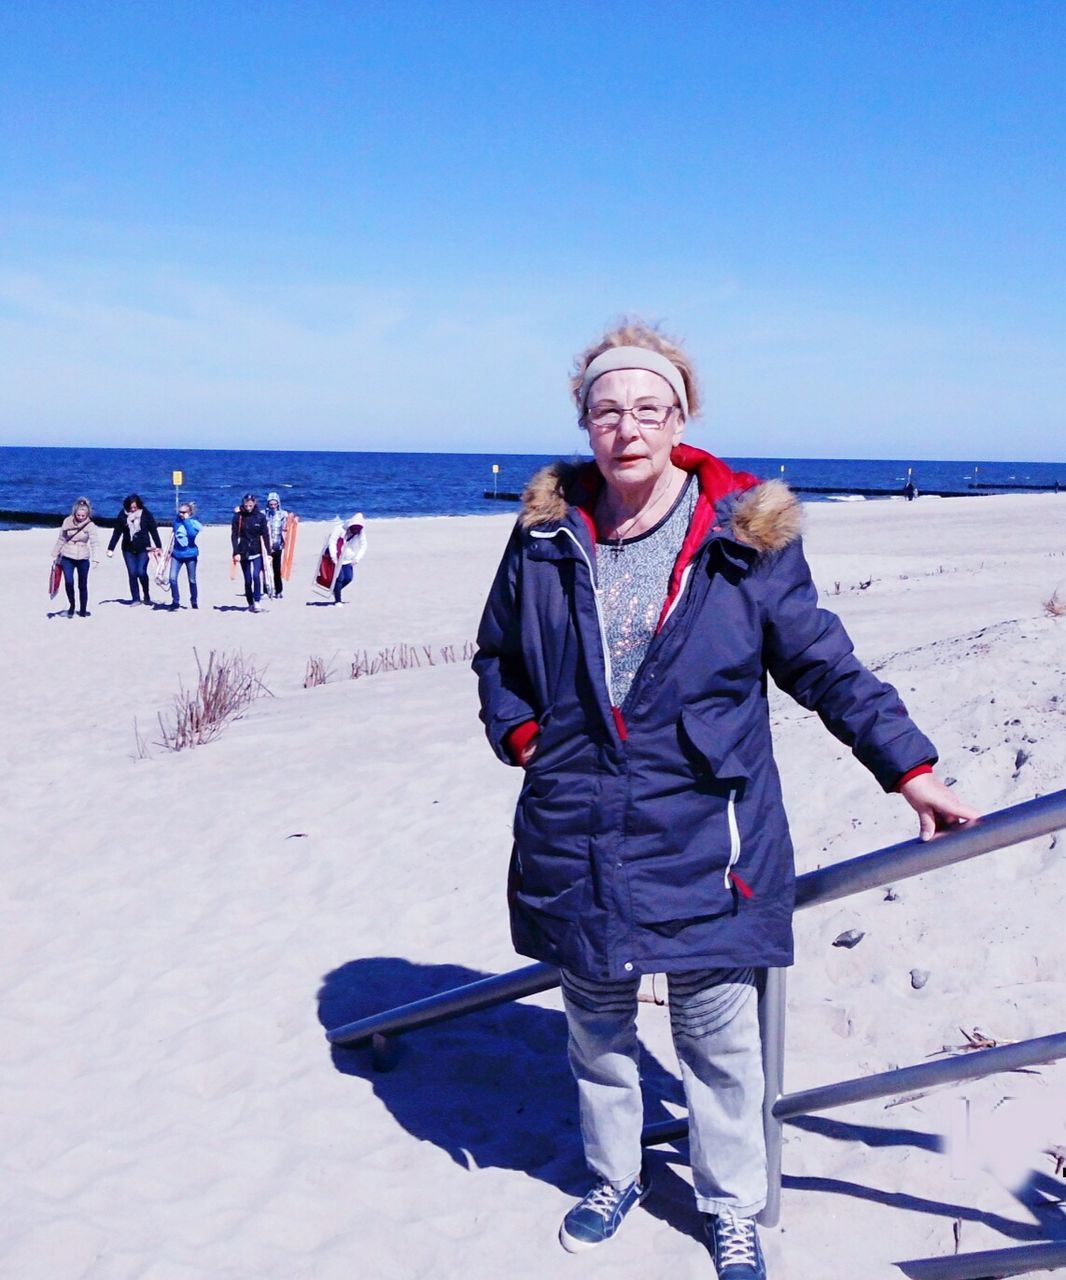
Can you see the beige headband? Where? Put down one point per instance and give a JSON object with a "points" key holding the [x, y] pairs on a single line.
{"points": [[634, 358]]}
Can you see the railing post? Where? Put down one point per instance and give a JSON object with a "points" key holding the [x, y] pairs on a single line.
{"points": [[384, 1050], [772, 1031]]}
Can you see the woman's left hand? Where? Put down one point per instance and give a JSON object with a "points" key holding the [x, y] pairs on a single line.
{"points": [[936, 805]]}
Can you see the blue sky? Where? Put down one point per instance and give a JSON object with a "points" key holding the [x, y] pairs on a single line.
{"points": [[391, 225]]}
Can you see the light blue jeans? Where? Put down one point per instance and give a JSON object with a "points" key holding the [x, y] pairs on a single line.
{"points": [[714, 1019], [175, 570]]}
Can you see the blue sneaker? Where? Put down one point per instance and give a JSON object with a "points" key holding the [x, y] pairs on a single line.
{"points": [[735, 1247], [599, 1215]]}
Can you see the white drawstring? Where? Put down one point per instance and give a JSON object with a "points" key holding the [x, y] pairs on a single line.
{"points": [[734, 835]]}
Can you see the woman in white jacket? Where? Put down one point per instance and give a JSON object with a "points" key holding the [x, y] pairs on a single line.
{"points": [[351, 547]]}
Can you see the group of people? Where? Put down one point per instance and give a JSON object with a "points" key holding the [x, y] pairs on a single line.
{"points": [[258, 540], [136, 532], [257, 537]]}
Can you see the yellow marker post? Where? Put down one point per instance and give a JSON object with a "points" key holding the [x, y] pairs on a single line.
{"points": [[495, 473], [177, 479]]}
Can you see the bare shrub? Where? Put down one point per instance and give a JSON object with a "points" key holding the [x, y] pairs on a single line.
{"points": [[318, 672], [224, 687], [1055, 605], [401, 657]]}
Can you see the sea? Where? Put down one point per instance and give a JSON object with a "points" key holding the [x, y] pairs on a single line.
{"points": [[320, 485]]}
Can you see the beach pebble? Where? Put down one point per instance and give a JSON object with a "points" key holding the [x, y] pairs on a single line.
{"points": [[841, 1022], [849, 938], [919, 977]]}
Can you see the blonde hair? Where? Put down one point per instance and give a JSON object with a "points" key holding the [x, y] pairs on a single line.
{"points": [[82, 502], [631, 331]]}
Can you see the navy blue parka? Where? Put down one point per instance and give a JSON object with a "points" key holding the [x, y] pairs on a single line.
{"points": [[652, 837]]}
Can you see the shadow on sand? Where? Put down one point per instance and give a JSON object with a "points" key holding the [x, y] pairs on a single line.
{"points": [[1041, 1195], [493, 1088]]}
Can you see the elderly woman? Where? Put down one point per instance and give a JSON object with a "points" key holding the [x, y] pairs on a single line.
{"points": [[623, 656]]}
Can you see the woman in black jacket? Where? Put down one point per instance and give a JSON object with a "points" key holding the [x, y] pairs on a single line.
{"points": [[250, 538], [136, 527]]}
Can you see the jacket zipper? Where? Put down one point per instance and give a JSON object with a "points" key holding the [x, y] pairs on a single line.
{"points": [[616, 713], [729, 878], [685, 574]]}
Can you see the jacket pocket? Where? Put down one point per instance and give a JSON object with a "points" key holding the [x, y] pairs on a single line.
{"points": [[551, 817], [719, 742], [547, 883], [720, 747], [672, 894], [570, 904]]}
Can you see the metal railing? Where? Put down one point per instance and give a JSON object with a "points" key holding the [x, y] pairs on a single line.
{"points": [[999, 830]]}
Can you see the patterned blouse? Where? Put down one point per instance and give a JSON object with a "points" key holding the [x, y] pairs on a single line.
{"points": [[633, 575]]}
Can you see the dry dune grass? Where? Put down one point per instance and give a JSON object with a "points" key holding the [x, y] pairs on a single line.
{"points": [[1055, 605], [224, 687]]}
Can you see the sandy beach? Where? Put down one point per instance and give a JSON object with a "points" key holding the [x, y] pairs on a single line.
{"points": [[178, 929]]}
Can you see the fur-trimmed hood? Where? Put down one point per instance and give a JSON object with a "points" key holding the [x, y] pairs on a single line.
{"points": [[765, 515]]}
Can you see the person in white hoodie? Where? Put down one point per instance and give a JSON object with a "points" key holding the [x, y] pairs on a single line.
{"points": [[350, 550], [278, 523]]}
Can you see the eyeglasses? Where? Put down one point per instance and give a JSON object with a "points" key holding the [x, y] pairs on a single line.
{"points": [[648, 417]]}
